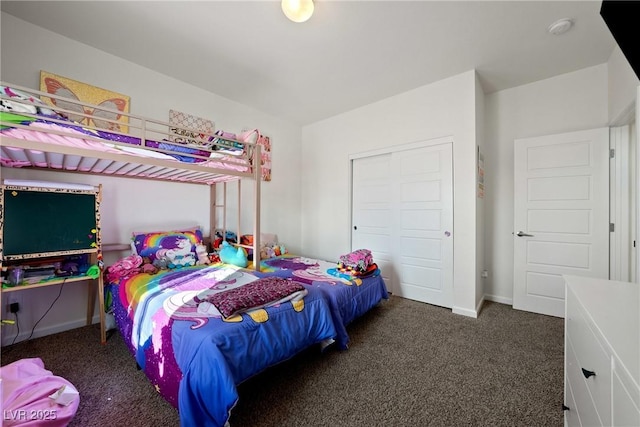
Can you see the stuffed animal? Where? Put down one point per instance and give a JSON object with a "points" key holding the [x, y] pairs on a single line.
{"points": [[179, 256], [161, 263], [267, 252], [147, 266], [230, 255], [271, 250], [203, 256]]}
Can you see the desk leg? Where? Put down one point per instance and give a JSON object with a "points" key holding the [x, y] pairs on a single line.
{"points": [[91, 304], [91, 301], [103, 331]]}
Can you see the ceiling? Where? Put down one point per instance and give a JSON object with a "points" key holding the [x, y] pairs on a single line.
{"points": [[349, 54]]}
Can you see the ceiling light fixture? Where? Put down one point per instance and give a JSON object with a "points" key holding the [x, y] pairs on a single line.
{"points": [[561, 26], [297, 10]]}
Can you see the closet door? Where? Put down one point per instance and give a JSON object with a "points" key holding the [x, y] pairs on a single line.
{"points": [[403, 212], [372, 207], [423, 209]]}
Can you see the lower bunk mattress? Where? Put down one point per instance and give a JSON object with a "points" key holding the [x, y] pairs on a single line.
{"points": [[195, 357]]}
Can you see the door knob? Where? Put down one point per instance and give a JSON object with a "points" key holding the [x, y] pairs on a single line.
{"points": [[523, 234]]}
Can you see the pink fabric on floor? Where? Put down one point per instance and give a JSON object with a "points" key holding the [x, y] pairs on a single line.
{"points": [[26, 387]]}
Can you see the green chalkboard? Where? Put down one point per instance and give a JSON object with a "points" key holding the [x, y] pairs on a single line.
{"points": [[47, 221]]}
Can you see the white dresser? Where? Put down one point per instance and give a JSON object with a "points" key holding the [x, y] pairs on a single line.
{"points": [[602, 353]]}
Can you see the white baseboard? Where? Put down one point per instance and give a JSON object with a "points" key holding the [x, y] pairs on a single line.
{"points": [[8, 337], [496, 298], [465, 312], [471, 313]]}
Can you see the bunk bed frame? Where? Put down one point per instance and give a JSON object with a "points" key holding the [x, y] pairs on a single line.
{"points": [[44, 139], [144, 151]]}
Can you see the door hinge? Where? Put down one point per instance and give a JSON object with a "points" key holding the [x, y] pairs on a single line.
{"points": [[612, 227], [612, 153]]}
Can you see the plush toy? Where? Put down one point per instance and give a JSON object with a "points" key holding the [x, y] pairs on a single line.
{"points": [[201, 253], [271, 250], [161, 263], [147, 266], [178, 256], [230, 255]]}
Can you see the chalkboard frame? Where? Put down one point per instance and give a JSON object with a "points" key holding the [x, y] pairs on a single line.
{"points": [[96, 192]]}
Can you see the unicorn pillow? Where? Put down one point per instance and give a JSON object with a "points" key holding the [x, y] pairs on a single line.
{"points": [[175, 248]]}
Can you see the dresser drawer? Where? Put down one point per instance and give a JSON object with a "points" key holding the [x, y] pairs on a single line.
{"points": [[584, 410], [570, 415], [592, 357], [626, 397]]}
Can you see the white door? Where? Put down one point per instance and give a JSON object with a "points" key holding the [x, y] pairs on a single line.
{"points": [[561, 216], [403, 212], [372, 216], [424, 222]]}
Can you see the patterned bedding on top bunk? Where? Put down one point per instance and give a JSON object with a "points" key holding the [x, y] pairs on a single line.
{"points": [[196, 344], [50, 127]]}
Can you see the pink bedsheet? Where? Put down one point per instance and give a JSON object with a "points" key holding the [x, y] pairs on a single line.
{"points": [[39, 131], [26, 387]]}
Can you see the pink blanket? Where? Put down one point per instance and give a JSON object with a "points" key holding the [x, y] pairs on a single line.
{"points": [[26, 387], [44, 132]]}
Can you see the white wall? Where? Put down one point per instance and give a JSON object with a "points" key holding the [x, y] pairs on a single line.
{"points": [[480, 201], [564, 103], [445, 108], [622, 88], [623, 109], [131, 204]]}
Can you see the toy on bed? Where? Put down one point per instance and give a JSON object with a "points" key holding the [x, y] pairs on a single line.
{"points": [[272, 250], [357, 263], [129, 266], [269, 246], [229, 236], [202, 255], [168, 249], [179, 255], [230, 255]]}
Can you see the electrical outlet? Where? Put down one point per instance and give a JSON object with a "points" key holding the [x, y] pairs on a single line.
{"points": [[13, 298], [14, 307]]}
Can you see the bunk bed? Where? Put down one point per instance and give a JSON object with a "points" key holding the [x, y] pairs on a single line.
{"points": [[35, 135], [210, 349]]}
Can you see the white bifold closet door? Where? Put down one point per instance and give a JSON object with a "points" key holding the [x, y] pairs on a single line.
{"points": [[402, 210]]}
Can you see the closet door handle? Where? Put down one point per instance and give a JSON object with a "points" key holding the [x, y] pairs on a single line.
{"points": [[523, 234], [587, 374]]}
